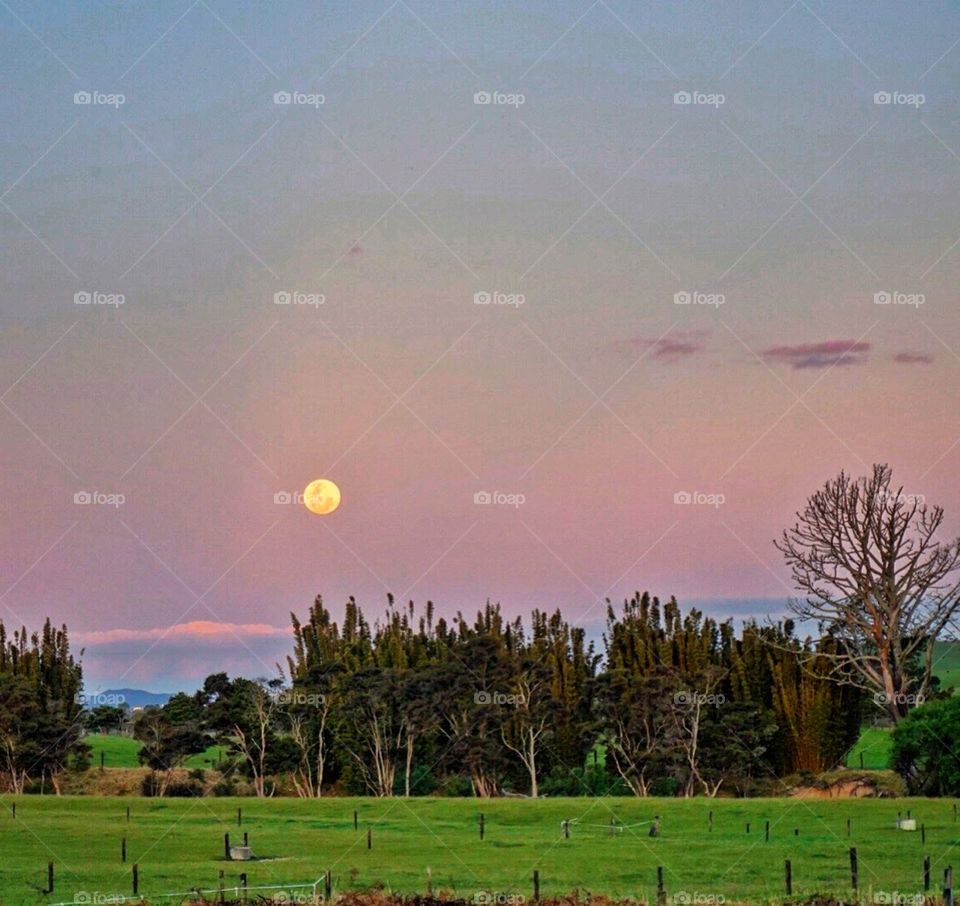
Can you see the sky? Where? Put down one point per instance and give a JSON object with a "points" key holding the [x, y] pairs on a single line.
{"points": [[582, 298]]}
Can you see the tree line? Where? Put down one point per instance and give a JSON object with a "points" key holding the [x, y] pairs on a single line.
{"points": [[413, 703]]}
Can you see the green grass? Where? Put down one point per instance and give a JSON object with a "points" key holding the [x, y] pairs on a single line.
{"points": [[946, 663], [876, 744], [178, 845], [121, 752]]}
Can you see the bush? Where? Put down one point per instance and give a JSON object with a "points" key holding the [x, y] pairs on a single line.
{"points": [[457, 785], [924, 748]]}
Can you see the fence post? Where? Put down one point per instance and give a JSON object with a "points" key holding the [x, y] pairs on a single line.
{"points": [[128, 814], [136, 879], [246, 839], [536, 886], [429, 882], [854, 874], [661, 892], [123, 849], [848, 827], [220, 893], [101, 761], [355, 825], [481, 825], [788, 877], [328, 886], [226, 846], [748, 827], [766, 830], [923, 833], [49, 878], [710, 820], [926, 873], [369, 838], [566, 830], [243, 885], [239, 817]]}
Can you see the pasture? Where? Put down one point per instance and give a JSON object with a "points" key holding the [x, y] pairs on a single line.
{"points": [[178, 844]]}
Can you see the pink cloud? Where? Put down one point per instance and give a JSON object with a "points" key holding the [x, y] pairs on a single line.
{"points": [[819, 355], [670, 348], [205, 630], [913, 358]]}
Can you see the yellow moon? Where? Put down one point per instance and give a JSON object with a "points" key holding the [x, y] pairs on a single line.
{"points": [[321, 496]]}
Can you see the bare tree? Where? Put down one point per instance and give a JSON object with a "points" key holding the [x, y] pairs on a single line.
{"points": [[878, 580], [254, 733], [523, 730]]}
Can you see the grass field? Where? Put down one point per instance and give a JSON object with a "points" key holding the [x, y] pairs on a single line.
{"points": [[121, 752], [178, 845], [876, 745]]}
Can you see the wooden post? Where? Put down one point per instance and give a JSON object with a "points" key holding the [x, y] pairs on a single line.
{"points": [[796, 832], [748, 827], [848, 827], [923, 833], [766, 830], [926, 873], [355, 825], [246, 841], [328, 886], [369, 838], [788, 877], [239, 817], [243, 885], [123, 849], [14, 809], [710, 820], [49, 878], [220, 894], [854, 873], [136, 879], [954, 811], [481, 825], [566, 830], [429, 882], [128, 814], [536, 886], [661, 892], [226, 847], [102, 753], [861, 761]]}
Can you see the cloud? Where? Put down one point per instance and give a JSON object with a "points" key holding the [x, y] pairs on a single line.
{"points": [[819, 355], [913, 358], [669, 348], [200, 630]]}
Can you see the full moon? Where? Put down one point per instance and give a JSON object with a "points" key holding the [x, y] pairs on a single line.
{"points": [[321, 496]]}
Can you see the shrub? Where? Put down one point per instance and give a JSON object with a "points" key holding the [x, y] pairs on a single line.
{"points": [[924, 748]]}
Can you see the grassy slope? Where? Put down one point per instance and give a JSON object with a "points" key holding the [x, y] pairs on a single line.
{"points": [[179, 844], [121, 752]]}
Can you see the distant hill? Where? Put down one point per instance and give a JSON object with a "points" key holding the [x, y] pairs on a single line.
{"points": [[132, 698]]}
